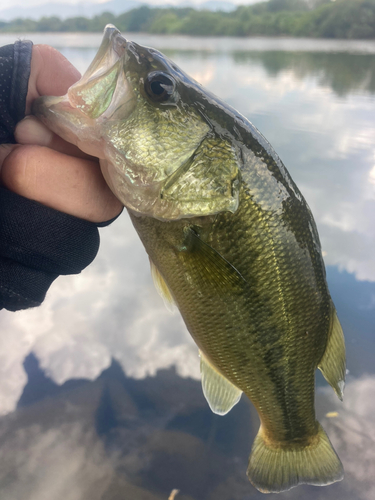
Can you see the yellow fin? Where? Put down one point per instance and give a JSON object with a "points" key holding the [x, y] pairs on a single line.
{"points": [[162, 287], [221, 395], [273, 468], [333, 363]]}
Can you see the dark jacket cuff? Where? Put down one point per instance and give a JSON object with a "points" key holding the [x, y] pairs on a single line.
{"points": [[38, 243], [15, 63]]}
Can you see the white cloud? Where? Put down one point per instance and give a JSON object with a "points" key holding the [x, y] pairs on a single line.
{"points": [[113, 310], [66, 462]]}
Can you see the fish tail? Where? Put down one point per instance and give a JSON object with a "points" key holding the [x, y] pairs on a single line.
{"points": [[273, 468]]}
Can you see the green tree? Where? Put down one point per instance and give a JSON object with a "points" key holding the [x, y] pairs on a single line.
{"points": [[166, 23], [49, 24], [349, 19], [77, 24], [136, 20], [202, 23], [99, 22], [312, 18], [291, 5]]}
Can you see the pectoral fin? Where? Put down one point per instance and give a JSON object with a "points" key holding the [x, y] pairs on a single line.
{"points": [[220, 394], [333, 363], [209, 266], [162, 287]]}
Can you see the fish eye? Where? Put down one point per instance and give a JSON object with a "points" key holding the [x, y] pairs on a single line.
{"points": [[159, 86]]}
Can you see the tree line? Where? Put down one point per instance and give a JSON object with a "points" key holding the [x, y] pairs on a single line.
{"points": [[298, 18]]}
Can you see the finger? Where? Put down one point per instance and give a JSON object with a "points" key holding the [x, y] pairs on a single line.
{"points": [[71, 185], [32, 131], [51, 74], [5, 150]]}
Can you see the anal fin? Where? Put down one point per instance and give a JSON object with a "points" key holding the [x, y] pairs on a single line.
{"points": [[220, 394], [333, 362]]}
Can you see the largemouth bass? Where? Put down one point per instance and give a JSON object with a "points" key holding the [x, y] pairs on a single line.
{"points": [[231, 241]]}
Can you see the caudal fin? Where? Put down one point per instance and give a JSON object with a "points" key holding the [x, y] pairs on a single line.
{"points": [[273, 469]]}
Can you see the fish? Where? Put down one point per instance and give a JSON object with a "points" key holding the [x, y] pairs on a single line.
{"points": [[231, 241]]}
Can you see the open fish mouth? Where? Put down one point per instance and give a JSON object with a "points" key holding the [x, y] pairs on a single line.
{"points": [[101, 93]]}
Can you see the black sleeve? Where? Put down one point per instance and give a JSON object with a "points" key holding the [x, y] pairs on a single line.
{"points": [[14, 77], [37, 243]]}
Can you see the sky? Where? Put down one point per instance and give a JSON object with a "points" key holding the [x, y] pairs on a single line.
{"points": [[28, 3]]}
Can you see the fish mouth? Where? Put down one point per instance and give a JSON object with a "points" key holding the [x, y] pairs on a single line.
{"points": [[103, 86], [103, 93]]}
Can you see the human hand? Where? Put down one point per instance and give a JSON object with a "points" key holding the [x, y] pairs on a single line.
{"points": [[44, 167]]}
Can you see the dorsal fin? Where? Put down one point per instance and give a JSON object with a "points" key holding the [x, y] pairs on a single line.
{"points": [[220, 394]]}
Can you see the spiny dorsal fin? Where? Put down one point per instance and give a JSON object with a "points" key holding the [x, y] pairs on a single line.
{"points": [[220, 394], [333, 363], [162, 287]]}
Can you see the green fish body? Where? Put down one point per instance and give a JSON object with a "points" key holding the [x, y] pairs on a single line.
{"points": [[231, 241]]}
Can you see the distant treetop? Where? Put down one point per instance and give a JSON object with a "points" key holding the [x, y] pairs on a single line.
{"points": [[299, 18]]}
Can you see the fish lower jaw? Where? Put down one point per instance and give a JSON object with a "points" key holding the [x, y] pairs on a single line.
{"points": [[70, 123]]}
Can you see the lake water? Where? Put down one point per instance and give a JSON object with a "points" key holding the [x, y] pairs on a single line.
{"points": [[99, 387]]}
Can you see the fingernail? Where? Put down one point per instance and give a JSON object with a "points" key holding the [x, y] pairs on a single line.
{"points": [[31, 131]]}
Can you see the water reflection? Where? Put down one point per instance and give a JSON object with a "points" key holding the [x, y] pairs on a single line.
{"points": [[111, 310], [117, 437], [344, 73], [109, 405]]}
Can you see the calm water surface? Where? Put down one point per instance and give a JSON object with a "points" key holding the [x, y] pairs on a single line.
{"points": [[99, 388]]}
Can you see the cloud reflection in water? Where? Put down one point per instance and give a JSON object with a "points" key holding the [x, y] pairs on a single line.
{"points": [[97, 437], [116, 438], [111, 310]]}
